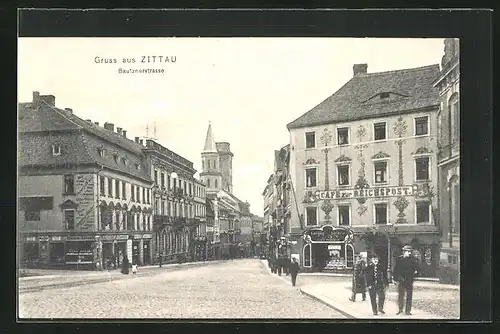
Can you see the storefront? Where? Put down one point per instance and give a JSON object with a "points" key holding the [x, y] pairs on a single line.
{"points": [[326, 248]]}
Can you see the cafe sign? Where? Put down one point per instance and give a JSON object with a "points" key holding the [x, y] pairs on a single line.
{"points": [[365, 193]]}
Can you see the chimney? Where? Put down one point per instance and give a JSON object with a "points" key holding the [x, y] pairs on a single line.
{"points": [[360, 69], [36, 97], [119, 130], [109, 126], [141, 142], [49, 99], [124, 132], [137, 140], [69, 110], [96, 123], [89, 120]]}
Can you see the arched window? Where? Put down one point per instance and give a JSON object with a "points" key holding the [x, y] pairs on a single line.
{"points": [[454, 107], [306, 256]]}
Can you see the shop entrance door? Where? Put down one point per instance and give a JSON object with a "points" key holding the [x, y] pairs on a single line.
{"points": [[145, 254], [57, 253]]}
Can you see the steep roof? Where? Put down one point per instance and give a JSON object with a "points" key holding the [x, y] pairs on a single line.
{"points": [[409, 89], [78, 138], [210, 141]]}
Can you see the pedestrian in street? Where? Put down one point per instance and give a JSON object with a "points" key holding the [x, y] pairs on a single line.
{"points": [[377, 282], [294, 270], [161, 260], [359, 280], [288, 265], [405, 270], [125, 266], [134, 268], [280, 265]]}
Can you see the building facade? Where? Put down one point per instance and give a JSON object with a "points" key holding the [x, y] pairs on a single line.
{"points": [[175, 223], [448, 84], [364, 171], [84, 192], [202, 241]]}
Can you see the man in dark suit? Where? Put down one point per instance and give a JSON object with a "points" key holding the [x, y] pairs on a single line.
{"points": [[294, 270], [377, 282], [405, 270]]}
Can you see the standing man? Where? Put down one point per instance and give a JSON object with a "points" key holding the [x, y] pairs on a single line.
{"points": [[377, 282], [405, 270], [294, 270]]}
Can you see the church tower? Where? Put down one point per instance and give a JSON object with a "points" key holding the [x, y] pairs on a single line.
{"points": [[226, 165], [210, 164]]}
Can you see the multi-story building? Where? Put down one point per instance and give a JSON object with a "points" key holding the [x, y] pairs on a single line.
{"points": [[84, 191], [448, 84], [173, 201], [259, 236], [245, 236], [200, 213], [363, 168], [269, 227]]}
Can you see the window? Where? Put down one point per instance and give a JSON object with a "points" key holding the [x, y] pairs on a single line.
{"points": [[312, 216], [423, 212], [455, 119], [421, 126], [380, 171], [56, 150], [344, 215], [144, 195], [101, 185], [69, 184], [31, 215], [168, 181], [379, 132], [452, 259], [216, 183], [310, 139], [343, 175], [110, 187], [208, 182], [138, 199], [343, 136], [162, 212], [132, 193], [117, 189], [156, 177], [69, 219], [163, 180], [381, 213], [124, 190], [422, 168], [311, 177]]}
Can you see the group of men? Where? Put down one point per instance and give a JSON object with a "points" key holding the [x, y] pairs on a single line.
{"points": [[370, 274], [284, 265]]}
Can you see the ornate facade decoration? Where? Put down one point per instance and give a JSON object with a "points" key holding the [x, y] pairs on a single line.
{"points": [[361, 132], [362, 209], [343, 158], [381, 155], [309, 197], [361, 182], [424, 190], [327, 207], [400, 127], [311, 161], [401, 204], [422, 150]]}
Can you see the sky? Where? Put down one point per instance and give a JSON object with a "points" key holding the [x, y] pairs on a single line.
{"points": [[248, 88]]}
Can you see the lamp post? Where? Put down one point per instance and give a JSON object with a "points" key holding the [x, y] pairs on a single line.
{"points": [[389, 257]]}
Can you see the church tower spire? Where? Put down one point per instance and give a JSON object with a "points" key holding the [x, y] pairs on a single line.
{"points": [[210, 141]]}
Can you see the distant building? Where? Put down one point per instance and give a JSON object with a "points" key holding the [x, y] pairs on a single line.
{"points": [[364, 171], [448, 84], [84, 191]]}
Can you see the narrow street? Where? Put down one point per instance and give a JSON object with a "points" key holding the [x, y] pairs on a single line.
{"points": [[232, 289]]}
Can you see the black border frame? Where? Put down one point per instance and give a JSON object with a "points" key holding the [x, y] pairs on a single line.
{"points": [[473, 27]]}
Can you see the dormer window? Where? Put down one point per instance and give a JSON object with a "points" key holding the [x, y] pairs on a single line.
{"points": [[384, 95], [56, 150]]}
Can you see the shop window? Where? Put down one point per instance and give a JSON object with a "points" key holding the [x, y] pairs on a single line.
{"points": [[343, 136], [422, 169], [380, 213], [32, 206], [69, 219], [311, 177], [380, 171], [69, 184], [344, 215], [307, 256], [343, 175], [423, 212], [421, 126], [118, 222], [101, 185], [311, 216], [379, 131], [310, 139], [57, 253], [110, 187]]}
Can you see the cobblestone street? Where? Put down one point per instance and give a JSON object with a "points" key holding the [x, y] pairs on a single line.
{"points": [[232, 289]]}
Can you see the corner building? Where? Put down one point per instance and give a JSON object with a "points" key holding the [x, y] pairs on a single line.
{"points": [[364, 170]]}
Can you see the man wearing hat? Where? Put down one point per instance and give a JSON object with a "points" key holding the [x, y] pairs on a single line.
{"points": [[404, 273], [377, 282]]}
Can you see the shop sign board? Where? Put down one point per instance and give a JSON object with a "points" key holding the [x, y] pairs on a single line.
{"points": [[147, 236], [376, 192], [57, 238], [44, 238], [137, 236], [334, 247], [31, 239], [80, 238]]}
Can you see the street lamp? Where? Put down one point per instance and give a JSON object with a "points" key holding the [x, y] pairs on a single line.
{"points": [[389, 230]]}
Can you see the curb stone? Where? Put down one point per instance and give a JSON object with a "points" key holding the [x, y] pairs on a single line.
{"points": [[310, 295]]}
